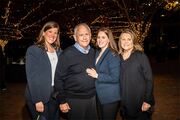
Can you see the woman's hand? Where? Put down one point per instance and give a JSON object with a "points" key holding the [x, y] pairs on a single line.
{"points": [[92, 72], [64, 107], [145, 106], [39, 106]]}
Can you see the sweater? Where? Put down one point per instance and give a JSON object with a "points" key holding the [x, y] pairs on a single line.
{"points": [[71, 79]]}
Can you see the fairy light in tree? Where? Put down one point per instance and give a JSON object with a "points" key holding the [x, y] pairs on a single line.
{"points": [[22, 26], [140, 23], [112, 22], [171, 5], [6, 16], [53, 12], [15, 30], [36, 22], [3, 43], [30, 12], [10, 30], [141, 29], [100, 19]]}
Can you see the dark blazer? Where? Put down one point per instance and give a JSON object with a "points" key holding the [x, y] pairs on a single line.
{"points": [[107, 84], [39, 76]]}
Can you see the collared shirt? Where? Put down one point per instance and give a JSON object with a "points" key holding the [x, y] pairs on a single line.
{"points": [[81, 49]]}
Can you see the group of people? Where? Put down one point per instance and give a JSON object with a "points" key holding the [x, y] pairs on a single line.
{"points": [[87, 83]]}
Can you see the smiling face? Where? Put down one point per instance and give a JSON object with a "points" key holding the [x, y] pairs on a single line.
{"points": [[126, 42], [83, 36], [102, 40], [50, 35]]}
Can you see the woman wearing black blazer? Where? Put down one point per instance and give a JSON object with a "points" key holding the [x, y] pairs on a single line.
{"points": [[41, 60], [107, 75], [136, 79]]}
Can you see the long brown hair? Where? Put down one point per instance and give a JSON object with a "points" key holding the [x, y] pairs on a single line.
{"points": [[41, 40], [112, 43]]}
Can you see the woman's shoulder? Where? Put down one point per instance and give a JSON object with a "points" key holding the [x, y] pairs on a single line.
{"points": [[140, 54], [59, 50], [67, 50], [113, 53], [34, 49], [113, 56]]}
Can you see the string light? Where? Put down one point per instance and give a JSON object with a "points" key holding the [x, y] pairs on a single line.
{"points": [[13, 30], [53, 12], [6, 16], [111, 22], [30, 12], [171, 5], [16, 29], [36, 22], [3, 43], [141, 27]]}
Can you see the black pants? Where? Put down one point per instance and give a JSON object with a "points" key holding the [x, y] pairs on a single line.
{"points": [[51, 110], [107, 111], [82, 109]]}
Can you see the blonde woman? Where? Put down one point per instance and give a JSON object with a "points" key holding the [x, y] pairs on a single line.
{"points": [[136, 79]]}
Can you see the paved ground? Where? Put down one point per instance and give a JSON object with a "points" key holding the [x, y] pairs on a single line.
{"points": [[166, 91]]}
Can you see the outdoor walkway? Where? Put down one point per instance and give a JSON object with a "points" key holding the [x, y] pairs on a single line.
{"points": [[166, 91]]}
